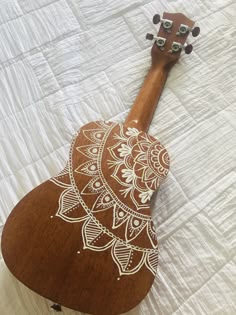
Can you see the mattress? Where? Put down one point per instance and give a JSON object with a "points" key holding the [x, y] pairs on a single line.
{"points": [[64, 63]]}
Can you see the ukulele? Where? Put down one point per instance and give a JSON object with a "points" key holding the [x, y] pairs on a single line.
{"points": [[85, 238]]}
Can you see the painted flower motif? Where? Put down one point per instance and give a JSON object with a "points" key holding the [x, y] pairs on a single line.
{"points": [[146, 195], [124, 150], [140, 163], [132, 131], [128, 259], [128, 175], [129, 158]]}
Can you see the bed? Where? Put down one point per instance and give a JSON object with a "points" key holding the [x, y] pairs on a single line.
{"points": [[64, 63]]}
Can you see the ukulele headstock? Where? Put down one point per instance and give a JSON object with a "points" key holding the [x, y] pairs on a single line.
{"points": [[171, 37]]}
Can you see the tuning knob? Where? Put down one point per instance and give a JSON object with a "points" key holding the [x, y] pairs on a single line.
{"points": [[156, 19], [167, 24], [188, 49], [196, 31], [160, 41], [184, 29], [149, 36], [177, 47]]}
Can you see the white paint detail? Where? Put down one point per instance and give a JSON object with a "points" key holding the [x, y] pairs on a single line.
{"points": [[129, 258]]}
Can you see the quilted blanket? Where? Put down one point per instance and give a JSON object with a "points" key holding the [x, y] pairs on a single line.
{"points": [[64, 63]]}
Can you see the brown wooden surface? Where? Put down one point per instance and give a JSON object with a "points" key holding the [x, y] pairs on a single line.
{"points": [[41, 249], [42, 254], [145, 104]]}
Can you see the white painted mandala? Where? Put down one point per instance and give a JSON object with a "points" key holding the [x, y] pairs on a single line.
{"points": [[137, 163]]}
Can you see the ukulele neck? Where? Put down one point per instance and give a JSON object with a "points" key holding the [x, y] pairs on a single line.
{"points": [[141, 113], [169, 43]]}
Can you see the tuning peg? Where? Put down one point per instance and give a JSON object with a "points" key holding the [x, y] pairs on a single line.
{"points": [[149, 36], [184, 29], [177, 47], [196, 31], [167, 24], [160, 41], [188, 49], [156, 19]]}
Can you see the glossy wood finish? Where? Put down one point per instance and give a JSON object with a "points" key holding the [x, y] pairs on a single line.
{"points": [[47, 253], [41, 250], [42, 254], [140, 115]]}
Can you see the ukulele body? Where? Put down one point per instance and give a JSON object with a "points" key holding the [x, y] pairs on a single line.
{"points": [[85, 238]]}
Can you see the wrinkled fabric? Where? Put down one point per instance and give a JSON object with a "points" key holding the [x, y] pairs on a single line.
{"points": [[65, 63]]}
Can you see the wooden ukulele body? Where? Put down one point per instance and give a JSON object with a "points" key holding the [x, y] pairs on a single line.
{"points": [[95, 236], [85, 238]]}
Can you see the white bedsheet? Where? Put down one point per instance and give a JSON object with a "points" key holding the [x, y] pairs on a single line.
{"points": [[65, 63]]}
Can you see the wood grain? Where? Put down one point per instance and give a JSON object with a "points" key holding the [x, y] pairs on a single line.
{"points": [[44, 240]]}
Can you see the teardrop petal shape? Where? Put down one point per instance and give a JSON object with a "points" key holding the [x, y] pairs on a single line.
{"points": [[94, 237], [134, 227], [152, 262], [103, 202], [88, 168], [70, 208], [94, 186], [152, 234], [119, 217], [94, 135], [90, 151], [128, 260]]}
